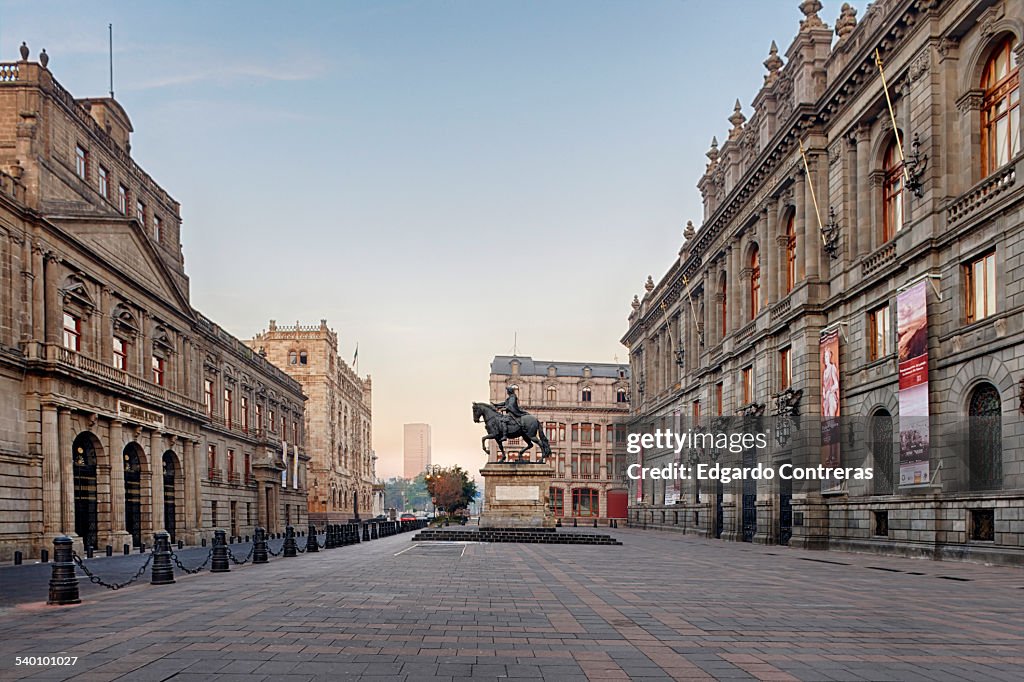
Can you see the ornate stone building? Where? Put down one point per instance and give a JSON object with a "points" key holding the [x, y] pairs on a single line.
{"points": [[338, 419], [582, 408], [871, 261], [123, 411]]}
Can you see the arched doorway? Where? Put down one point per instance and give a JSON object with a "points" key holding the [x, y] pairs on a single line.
{"points": [[83, 458], [133, 492], [985, 438], [881, 450], [171, 476]]}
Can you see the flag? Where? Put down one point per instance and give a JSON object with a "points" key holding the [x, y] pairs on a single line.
{"points": [[355, 358]]}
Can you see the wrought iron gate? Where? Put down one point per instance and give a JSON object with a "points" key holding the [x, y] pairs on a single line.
{"points": [[785, 511]]}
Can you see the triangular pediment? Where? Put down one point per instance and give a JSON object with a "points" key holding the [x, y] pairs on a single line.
{"points": [[127, 252]]}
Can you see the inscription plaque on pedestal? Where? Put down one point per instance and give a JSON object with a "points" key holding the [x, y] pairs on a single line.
{"points": [[516, 495]]}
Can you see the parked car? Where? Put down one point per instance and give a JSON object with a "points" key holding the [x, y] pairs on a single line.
{"points": [[408, 516]]}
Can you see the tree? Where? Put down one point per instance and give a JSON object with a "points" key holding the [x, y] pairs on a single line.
{"points": [[451, 489], [405, 495]]}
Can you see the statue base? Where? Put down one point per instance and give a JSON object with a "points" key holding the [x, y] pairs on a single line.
{"points": [[516, 495]]}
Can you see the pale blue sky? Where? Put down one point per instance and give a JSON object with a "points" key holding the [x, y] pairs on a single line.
{"points": [[366, 161]]}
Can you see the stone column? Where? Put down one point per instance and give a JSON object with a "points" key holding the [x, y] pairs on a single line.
{"points": [[52, 516], [145, 366], [38, 294], [116, 441], [735, 284], [104, 329], [157, 480], [197, 483], [799, 225], [767, 246], [67, 472], [851, 197], [811, 234], [864, 223], [54, 309], [709, 306]]}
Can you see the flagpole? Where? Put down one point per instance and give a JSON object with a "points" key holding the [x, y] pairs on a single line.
{"points": [[892, 114], [814, 199]]}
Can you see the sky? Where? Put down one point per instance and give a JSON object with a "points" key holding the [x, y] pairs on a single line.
{"points": [[443, 181]]}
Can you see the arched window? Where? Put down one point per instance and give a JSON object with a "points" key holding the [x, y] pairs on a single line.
{"points": [[723, 304], [552, 393], [881, 448], [892, 192], [293, 358], [755, 282], [621, 396], [790, 253], [587, 395], [1000, 109], [303, 357], [985, 439]]}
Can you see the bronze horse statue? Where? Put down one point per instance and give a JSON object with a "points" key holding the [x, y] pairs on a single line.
{"points": [[501, 428]]}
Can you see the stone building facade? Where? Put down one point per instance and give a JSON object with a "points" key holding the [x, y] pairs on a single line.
{"points": [[583, 408], [735, 326], [123, 411], [339, 420]]}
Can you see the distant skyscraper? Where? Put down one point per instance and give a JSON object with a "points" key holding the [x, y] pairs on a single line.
{"points": [[417, 449]]}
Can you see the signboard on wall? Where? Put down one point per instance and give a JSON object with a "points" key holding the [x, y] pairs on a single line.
{"points": [[912, 344], [139, 415], [828, 348]]}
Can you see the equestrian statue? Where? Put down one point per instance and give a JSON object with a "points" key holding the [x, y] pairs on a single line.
{"points": [[515, 423]]}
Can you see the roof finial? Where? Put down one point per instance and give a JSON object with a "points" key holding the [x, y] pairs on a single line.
{"points": [[773, 64], [737, 119], [689, 231], [810, 8], [847, 21], [712, 153], [649, 284]]}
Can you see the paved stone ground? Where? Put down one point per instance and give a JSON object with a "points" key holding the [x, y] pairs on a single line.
{"points": [[663, 606]]}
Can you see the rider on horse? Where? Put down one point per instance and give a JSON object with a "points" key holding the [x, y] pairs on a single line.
{"points": [[511, 407]]}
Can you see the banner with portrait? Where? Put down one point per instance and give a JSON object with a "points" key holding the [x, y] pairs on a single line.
{"points": [[674, 488], [912, 344], [828, 348]]}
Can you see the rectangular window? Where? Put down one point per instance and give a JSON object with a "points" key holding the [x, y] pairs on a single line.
{"points": [[245, 413], [575, 433], [213, 513], [259, 417], [878, 333], [980, 281], [561, 432], [158, 229], [72, 332], [120, 354], [234, 518], [597, 433], [82, 162], [208, 396], [247, 468], [719, 398], [557, 501], [748, 385], [248, 513], [551, 431], [227, 406], [295, 432], [695, 411], [588, 435], [140, 212], [211, 461], [231, 464], [122, 199], [158, 371], [104, 182], [273, 422], [785, 369]]}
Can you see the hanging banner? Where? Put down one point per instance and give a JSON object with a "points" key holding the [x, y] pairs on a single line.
{"points": [[912, 332], [284, 457], [674, 490], [828, 348], [640, 481]]}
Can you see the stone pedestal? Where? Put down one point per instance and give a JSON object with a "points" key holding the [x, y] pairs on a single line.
{"points": [[516, 495]]}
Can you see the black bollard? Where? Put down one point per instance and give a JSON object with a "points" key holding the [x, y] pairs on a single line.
{"points": [[330, 539], [181, 544], [574, 524], [247, 538], [219, 562], [290, 550], [366, 532], [259, 547], [558, 523], [204, 542], [163, 572], [88, 551], [17, 558], [44, 556], [374, 533], [126, 549], [110, 550], [595, 523], [142, 548], [311, 544], [63, 581]]}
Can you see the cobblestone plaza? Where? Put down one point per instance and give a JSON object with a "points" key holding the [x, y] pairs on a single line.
{"points": [[662, 606]]}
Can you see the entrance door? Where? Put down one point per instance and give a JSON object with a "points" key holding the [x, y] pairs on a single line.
{"points": [[785, 510], [83, 453], [133, 493], [719, 509], [749, 500], [170, 490]]}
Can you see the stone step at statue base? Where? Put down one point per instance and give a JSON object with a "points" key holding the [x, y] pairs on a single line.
{"points": [[521, 535]]}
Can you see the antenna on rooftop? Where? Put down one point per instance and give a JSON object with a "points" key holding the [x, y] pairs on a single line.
{"points": [[110, 35]]}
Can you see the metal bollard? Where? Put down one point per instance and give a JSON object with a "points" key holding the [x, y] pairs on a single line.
{"points": [[373, 531], [44, 556], [219, 562], [126, 549], [110, 550], [181, 544], [290, 550], [142, 548], [558, 523], [311, 543], [366, 532], [595, 523], [247, 538], [163, 572], [330, 536], [259, 548], [88, 552], [574, 525], [63, 581], [17, 558]]}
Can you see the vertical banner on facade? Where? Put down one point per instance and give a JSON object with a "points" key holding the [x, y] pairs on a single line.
{"points": [[295, 467], [912, 327], [829, 359], [674, 490], [640, 481], [284, 458]]}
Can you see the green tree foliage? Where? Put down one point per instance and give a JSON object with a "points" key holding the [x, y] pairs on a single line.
{"points": [[451, 489], [406, 495]]}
